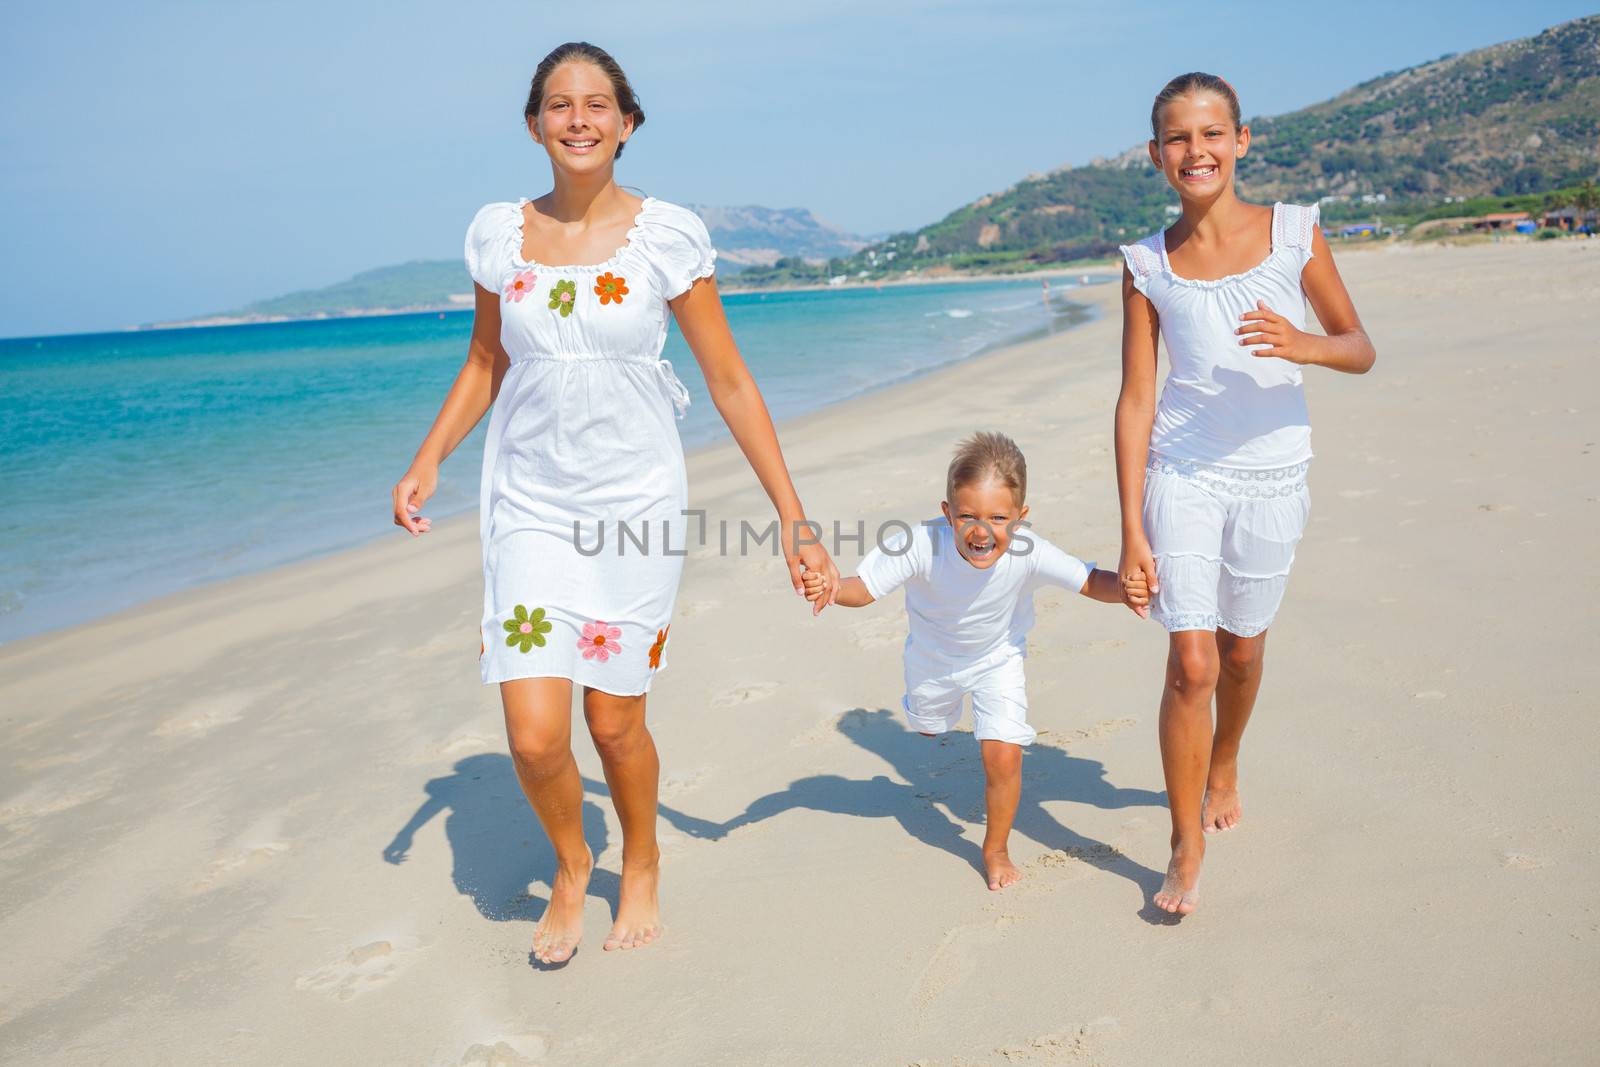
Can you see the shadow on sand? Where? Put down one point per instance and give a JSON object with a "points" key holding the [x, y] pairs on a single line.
{"points": [[941, 788]]}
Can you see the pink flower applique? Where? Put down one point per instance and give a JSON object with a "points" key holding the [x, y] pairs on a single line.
{"points": [[521, 285], [599, 641]]}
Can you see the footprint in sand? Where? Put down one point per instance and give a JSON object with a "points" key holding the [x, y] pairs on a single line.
{"points": [[1356, 494], [70, 758], [880, 631], [745, 694], [955, 960], [460, 744], [358, 971], [1429, 694], [238, 862], [1066, 857], [1103, 728], [1497, 507], [524, 1050], [696, 607], [41, 801], [202, 716], [1056, 1048], [681, 782], [1522, 861]]}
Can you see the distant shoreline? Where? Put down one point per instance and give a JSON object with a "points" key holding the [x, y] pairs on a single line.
{"points": [[1077, 268], [1086, 268]]}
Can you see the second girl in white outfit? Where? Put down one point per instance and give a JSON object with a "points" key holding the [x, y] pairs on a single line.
{"points": [[1212, 479]]}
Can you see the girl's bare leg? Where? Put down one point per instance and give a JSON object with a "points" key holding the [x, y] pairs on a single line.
{"points": [[1002, 789], [539, 730], [1185, 758], [1238, 683], [633, 773]]}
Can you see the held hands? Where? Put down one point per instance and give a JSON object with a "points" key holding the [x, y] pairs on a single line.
{"points": [[410, 493], [810, 567], [1137, 574], [1266, 327], [816, 585]]}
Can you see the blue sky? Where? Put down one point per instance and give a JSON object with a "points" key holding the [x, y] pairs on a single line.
{"points": [[169, 159]]}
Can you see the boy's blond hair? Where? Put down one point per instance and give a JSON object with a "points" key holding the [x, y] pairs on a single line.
{"points": [[987, 455]]}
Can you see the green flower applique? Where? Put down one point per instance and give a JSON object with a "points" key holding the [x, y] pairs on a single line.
{"points": [[563, 296], [527, 630]]}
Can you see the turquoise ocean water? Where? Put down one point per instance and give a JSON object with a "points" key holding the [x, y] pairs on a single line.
{"points": [[139, 463]]}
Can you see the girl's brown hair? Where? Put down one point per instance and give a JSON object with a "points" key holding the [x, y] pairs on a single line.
{"points": [[987, 455], [584, 52], [1196, 81]]}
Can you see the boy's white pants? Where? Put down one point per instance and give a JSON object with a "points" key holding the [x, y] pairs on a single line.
{"points": [[999, 697]]}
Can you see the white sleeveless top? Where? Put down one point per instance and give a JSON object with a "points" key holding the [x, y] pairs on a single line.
{"points": [[1222, 405]]}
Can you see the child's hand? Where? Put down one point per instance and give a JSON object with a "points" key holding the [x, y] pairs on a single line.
{"points": [[1266, 327], [816, 584], [1136, 593], [1136, 571]]}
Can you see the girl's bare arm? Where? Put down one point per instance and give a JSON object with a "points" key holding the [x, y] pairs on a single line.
{"points": [[738, 400], [1136, 413], [474, 390]]}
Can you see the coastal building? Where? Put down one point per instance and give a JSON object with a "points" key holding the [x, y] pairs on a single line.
{"points": [[1499, 220], [1571, 219]]}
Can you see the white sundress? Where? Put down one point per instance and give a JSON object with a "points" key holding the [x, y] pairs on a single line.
{"points": [[583, 437], [1226, 498]]}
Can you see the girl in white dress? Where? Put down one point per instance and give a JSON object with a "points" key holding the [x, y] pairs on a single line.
{"points": [[583, 495], [1212, 479]]}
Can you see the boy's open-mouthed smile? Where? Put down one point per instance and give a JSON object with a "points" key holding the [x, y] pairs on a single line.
{"points": [[983, 517]]}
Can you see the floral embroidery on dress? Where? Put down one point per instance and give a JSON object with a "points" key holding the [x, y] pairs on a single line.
{"points": [[521, 286], [655, 649], [526, 629], [610, 289], [599, 641], [563, 296]]}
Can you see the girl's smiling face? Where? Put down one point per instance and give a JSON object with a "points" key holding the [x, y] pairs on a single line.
{"points": [[983, 516], [579, 123], [1198, 145]]}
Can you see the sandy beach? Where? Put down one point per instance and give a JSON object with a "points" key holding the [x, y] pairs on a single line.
{"points": [[273, 821]]}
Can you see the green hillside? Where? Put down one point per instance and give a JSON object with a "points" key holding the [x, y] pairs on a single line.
{"points": [[1515, 118], [418, 284]]}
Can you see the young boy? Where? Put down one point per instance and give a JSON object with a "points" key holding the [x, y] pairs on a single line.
{"points": [[969, 582]]}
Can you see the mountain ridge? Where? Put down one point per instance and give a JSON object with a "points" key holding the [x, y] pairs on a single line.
{"points": [[1517, 117], [745, 235]]}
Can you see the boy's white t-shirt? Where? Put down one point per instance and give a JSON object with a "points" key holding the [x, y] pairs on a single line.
{"points": [[960, 613]]}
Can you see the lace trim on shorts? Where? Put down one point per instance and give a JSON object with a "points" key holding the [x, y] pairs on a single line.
{"points": [[1234, 481], [1239, 630], [1192, 620]]}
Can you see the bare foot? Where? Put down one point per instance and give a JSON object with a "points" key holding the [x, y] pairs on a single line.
{"points": [[1002, 872], [1180, 893], [560, 929], [1220, 810], [638, 909]]}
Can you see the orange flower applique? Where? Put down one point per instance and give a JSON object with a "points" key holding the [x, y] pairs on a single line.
{"points": [[655, 649], [610, 288]]}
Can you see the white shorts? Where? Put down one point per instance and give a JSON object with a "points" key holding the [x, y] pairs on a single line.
{"points": [[1223, 541], [999, 698]]}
